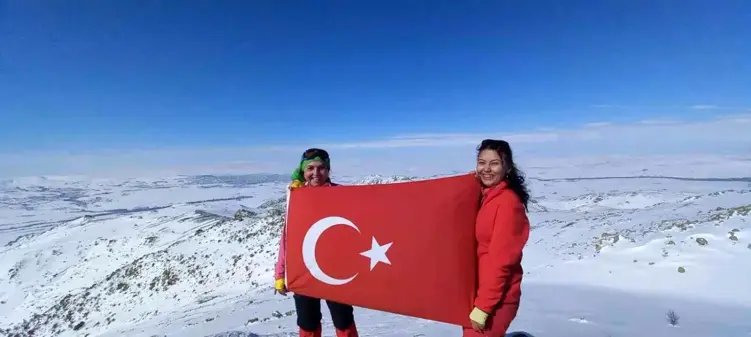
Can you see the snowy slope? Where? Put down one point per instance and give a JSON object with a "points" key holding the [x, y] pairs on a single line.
{"points": [[169, 257], [29, 205], [636, 234]]}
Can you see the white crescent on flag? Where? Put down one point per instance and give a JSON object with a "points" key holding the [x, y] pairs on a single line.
{"points": [[376, 253]]}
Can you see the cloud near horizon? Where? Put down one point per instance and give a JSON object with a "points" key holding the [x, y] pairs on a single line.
{"points": [[690, 107], [402, 153]]}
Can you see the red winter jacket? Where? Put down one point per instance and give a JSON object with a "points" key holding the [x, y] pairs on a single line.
{"points": [[501, 230]]}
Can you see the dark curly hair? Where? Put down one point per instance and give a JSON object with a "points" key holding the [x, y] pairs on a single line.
{"points": [[515, 177]]}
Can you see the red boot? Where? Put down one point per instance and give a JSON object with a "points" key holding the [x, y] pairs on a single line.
{"points": [[350, 332], [306, 333]]}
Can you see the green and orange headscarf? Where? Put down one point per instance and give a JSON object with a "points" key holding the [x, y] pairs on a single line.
{"points": [[308, 157]]}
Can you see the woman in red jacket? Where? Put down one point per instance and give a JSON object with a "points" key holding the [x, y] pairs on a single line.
{"points": [[501, 230]]}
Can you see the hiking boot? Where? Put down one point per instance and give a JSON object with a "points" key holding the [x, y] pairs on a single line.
{"points": [[350, 332]]}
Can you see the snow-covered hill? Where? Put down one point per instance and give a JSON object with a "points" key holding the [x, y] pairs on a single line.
{"points": [[30, 205], [608, 256]]}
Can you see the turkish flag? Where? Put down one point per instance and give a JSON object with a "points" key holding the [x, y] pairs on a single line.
{"points": [[406, 248]]}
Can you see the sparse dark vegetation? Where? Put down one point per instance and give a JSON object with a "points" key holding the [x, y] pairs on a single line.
{"points": [[244, 214], [164, 281], [720, 213], [13, 272], [606, 239], [672, 317], [78, 326], [235, 259], [122, 286], [731, 235]]}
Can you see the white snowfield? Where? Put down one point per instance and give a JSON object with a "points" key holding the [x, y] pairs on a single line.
{"points": [[616, 244]]}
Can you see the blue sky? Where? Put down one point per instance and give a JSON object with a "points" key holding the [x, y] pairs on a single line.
{"points": [[132, 75]]}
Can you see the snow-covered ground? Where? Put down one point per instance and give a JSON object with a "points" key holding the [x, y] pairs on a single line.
{"points": [[616, 244]]}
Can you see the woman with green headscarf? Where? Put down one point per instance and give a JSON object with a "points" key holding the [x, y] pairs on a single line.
{"points": [[313, 171]]}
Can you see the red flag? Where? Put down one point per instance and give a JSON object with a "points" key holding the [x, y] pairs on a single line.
{"points": [[406, 248]]}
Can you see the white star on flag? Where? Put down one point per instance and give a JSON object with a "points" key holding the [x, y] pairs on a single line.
{"points": [[377, 253]]}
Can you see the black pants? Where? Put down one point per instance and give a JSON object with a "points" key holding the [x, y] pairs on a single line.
{"points": [[309, 313]]}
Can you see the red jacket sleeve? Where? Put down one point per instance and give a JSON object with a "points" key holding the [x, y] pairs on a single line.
{"points": [[510, 234]]}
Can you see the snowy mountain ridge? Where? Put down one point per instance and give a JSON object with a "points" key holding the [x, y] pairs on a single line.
{"points": [[89, 270], [178, 259]]}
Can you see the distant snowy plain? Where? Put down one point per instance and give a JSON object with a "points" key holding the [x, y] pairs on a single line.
{"points": [[616, 244]]}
